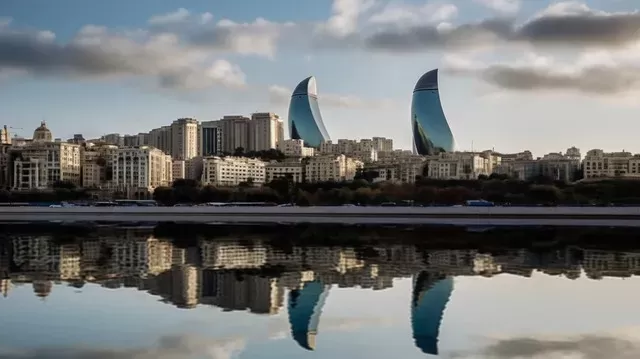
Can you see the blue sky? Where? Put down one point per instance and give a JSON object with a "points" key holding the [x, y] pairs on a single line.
{"points": [[514, 72]]}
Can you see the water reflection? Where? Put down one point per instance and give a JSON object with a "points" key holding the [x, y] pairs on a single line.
{"points": [[258, 276]]}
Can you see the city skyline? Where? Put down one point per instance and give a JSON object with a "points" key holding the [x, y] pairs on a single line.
{"points": [[515, 74]]}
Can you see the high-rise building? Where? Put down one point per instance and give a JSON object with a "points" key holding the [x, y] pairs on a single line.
{"points": [[431, 132], [184, 139], [160, 138], [305, 120], [235, 133], [140, 168], [210, 138], [265, 131]]}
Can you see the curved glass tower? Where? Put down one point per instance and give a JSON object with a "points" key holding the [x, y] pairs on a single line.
{"points": [[305, 120], [431, 132]]}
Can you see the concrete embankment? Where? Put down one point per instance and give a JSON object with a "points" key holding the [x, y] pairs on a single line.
{"points": [[463, 216]]}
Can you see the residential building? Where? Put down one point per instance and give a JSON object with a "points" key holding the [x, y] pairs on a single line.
{"points": [[235, 131], [266, 129], [295, 148], [161, 139], [140, 168], [557, 166], [292, 169], [458, 165], [600, 164], [402, 170], [193, 168], [231, 171], [210, 138], [111, 139], [96, 165], [382, 144], [179, 169], [331, 168], [5, 136], [49, 162], [184, 139]]}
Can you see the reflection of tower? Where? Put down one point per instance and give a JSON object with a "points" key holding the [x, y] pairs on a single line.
{"points": [[42, 288], [5, 286], [431, 292], [305, 308], [186, 281]]}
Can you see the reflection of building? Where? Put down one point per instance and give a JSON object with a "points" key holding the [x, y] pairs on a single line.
{"points": [[305, 120], [305, 308], [431, 132], [234, 291], [431, 292]]}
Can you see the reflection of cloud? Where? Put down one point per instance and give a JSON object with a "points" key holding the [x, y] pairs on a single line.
{"points": [[281, 330], [582, 347], [171, 347]]}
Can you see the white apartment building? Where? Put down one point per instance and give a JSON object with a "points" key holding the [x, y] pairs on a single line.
{"points": [[184, 139], [295, 148], [49, 162], [331, 168], [94, 160], [235, 131], [288, 169], [140, 168], [556, 165], [382, 144], [178, 169], [266, 129], [402, 170], [600, 164], [458, 165], [231, 171]]}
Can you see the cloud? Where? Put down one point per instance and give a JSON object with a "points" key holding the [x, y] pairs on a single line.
{"points": [[282, 95], [344, 16], [503, 6], [176, 347], [177, 16], [559, 25], [583, 347], [399, 13], [97, 53], [594, 73]]}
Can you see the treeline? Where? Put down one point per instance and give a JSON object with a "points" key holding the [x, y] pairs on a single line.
{"points": [[501, 190]]}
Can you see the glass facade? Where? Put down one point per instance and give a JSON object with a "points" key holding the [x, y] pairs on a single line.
{"points": [[431, 132], [305, 120]]}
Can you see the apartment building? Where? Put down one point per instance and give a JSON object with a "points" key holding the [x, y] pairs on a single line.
{"points": [[140, 168], [295, 148], [231, 171], [331, 168]]}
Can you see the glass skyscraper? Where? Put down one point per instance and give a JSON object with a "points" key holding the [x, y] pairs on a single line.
{"points": [[431, 132], [305, 120]]}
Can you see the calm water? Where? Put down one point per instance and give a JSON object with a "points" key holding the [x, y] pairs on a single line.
{"points": [[133, 295]]}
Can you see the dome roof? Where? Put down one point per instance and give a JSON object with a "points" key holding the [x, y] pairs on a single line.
{"points": [[42, 133]]}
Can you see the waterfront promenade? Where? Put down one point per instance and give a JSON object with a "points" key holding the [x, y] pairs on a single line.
{"points": [[462, 216]]}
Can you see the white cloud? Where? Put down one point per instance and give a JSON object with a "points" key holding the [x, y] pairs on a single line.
{"points": [[345, 16], [170, 18], [503, 6], [411, 14], [282, 95], [5, 21]]}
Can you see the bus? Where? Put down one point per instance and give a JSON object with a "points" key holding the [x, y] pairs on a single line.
{"points": [[136, 203]]}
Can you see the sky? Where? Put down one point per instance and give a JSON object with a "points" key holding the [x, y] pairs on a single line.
{"points": [[542, 75]]}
